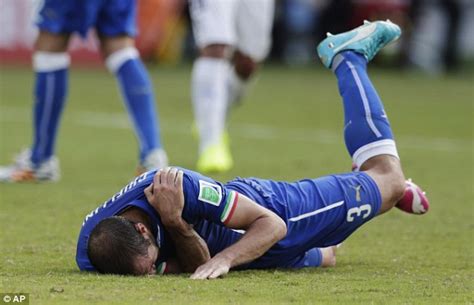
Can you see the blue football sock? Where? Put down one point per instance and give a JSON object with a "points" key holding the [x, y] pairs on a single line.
{"points": [[137, 91], [367, 131], [50, 96], [313, 258]]}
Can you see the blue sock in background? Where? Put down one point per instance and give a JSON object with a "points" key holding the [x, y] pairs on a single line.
{"points": [[50, 96], [137, 91]]}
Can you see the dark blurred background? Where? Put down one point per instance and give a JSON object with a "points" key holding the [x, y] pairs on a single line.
{"points": [[438, 34]]}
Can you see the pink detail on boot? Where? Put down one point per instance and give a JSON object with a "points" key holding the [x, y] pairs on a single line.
{"points": [[414, 201]]}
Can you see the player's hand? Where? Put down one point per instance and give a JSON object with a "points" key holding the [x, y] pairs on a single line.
{"points": [[166, 195], [215, 267]]}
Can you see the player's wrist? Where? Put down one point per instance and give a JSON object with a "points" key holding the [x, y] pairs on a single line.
{"points": [[227, 256], [177, 224]]}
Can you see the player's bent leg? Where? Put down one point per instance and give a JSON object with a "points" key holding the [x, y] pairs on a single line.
{"points": [[110, 45], [239, 78], [123, 60], [245, 66], [395, 190], [388, 175], [209, 96], [217, 50], [50, 64], [51, 42], [367, 131]]}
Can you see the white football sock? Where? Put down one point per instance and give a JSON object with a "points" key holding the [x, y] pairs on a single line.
{"points": [[236, 88], [209, 95]]}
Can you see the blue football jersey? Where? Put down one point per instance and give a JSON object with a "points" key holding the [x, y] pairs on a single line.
{"points": [[318, 213], [132, 195]]}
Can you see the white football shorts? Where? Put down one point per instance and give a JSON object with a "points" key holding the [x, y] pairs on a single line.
{"points": [[244, 24]]}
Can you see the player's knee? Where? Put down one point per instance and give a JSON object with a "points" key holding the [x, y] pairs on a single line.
{"points": [[111, 45], [387, 172], [117, 59], [394, 183], [392, 190], [245, 66], [50, 42], [215, 51]]}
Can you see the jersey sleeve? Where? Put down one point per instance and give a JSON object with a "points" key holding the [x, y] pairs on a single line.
{"points": [[161, 268], [207, 198]]}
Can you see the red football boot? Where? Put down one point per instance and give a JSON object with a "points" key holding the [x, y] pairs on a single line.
{"points": [[414, 201]]}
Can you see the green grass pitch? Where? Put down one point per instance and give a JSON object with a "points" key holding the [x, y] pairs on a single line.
{"points": [[289, 127]]}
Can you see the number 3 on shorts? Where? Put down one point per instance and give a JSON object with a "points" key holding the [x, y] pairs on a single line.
{"points": [[364, 211]]}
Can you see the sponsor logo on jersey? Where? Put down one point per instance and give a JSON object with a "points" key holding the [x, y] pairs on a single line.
{"points": [[357, 190], [210, 193]]}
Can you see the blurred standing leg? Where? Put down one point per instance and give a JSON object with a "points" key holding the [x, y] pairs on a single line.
{"points": [[232, 37]]}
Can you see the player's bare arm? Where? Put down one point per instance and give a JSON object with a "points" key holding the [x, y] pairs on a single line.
{"points": [[166, 196], [263, 229]]}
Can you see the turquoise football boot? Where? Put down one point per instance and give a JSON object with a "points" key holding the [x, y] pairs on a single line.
{"points": [[367, 40]]}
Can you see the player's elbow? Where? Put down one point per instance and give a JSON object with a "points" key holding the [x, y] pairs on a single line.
{"points": [[274, 227], [279, 227]]}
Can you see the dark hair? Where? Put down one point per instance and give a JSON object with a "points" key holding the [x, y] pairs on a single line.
{"points": [[113, 245]]}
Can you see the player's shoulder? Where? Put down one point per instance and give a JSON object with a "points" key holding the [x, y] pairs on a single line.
{"points": [[195, 179], [190, 173], [204, 198]]}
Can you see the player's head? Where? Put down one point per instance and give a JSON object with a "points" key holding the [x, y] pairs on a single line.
{"points": [[119, 246]]}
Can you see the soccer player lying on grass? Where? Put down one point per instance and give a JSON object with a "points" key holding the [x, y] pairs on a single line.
{"points": [[176, 220]]}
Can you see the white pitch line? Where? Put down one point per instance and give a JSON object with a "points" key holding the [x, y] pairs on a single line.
{"points": [[244, 130]]}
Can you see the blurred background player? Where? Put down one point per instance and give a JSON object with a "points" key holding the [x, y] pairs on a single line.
{"points": [[233, 37], [114, 22]]}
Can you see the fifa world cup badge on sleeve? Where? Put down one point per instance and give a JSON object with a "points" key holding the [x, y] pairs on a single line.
{"points": [[210, 193]]}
